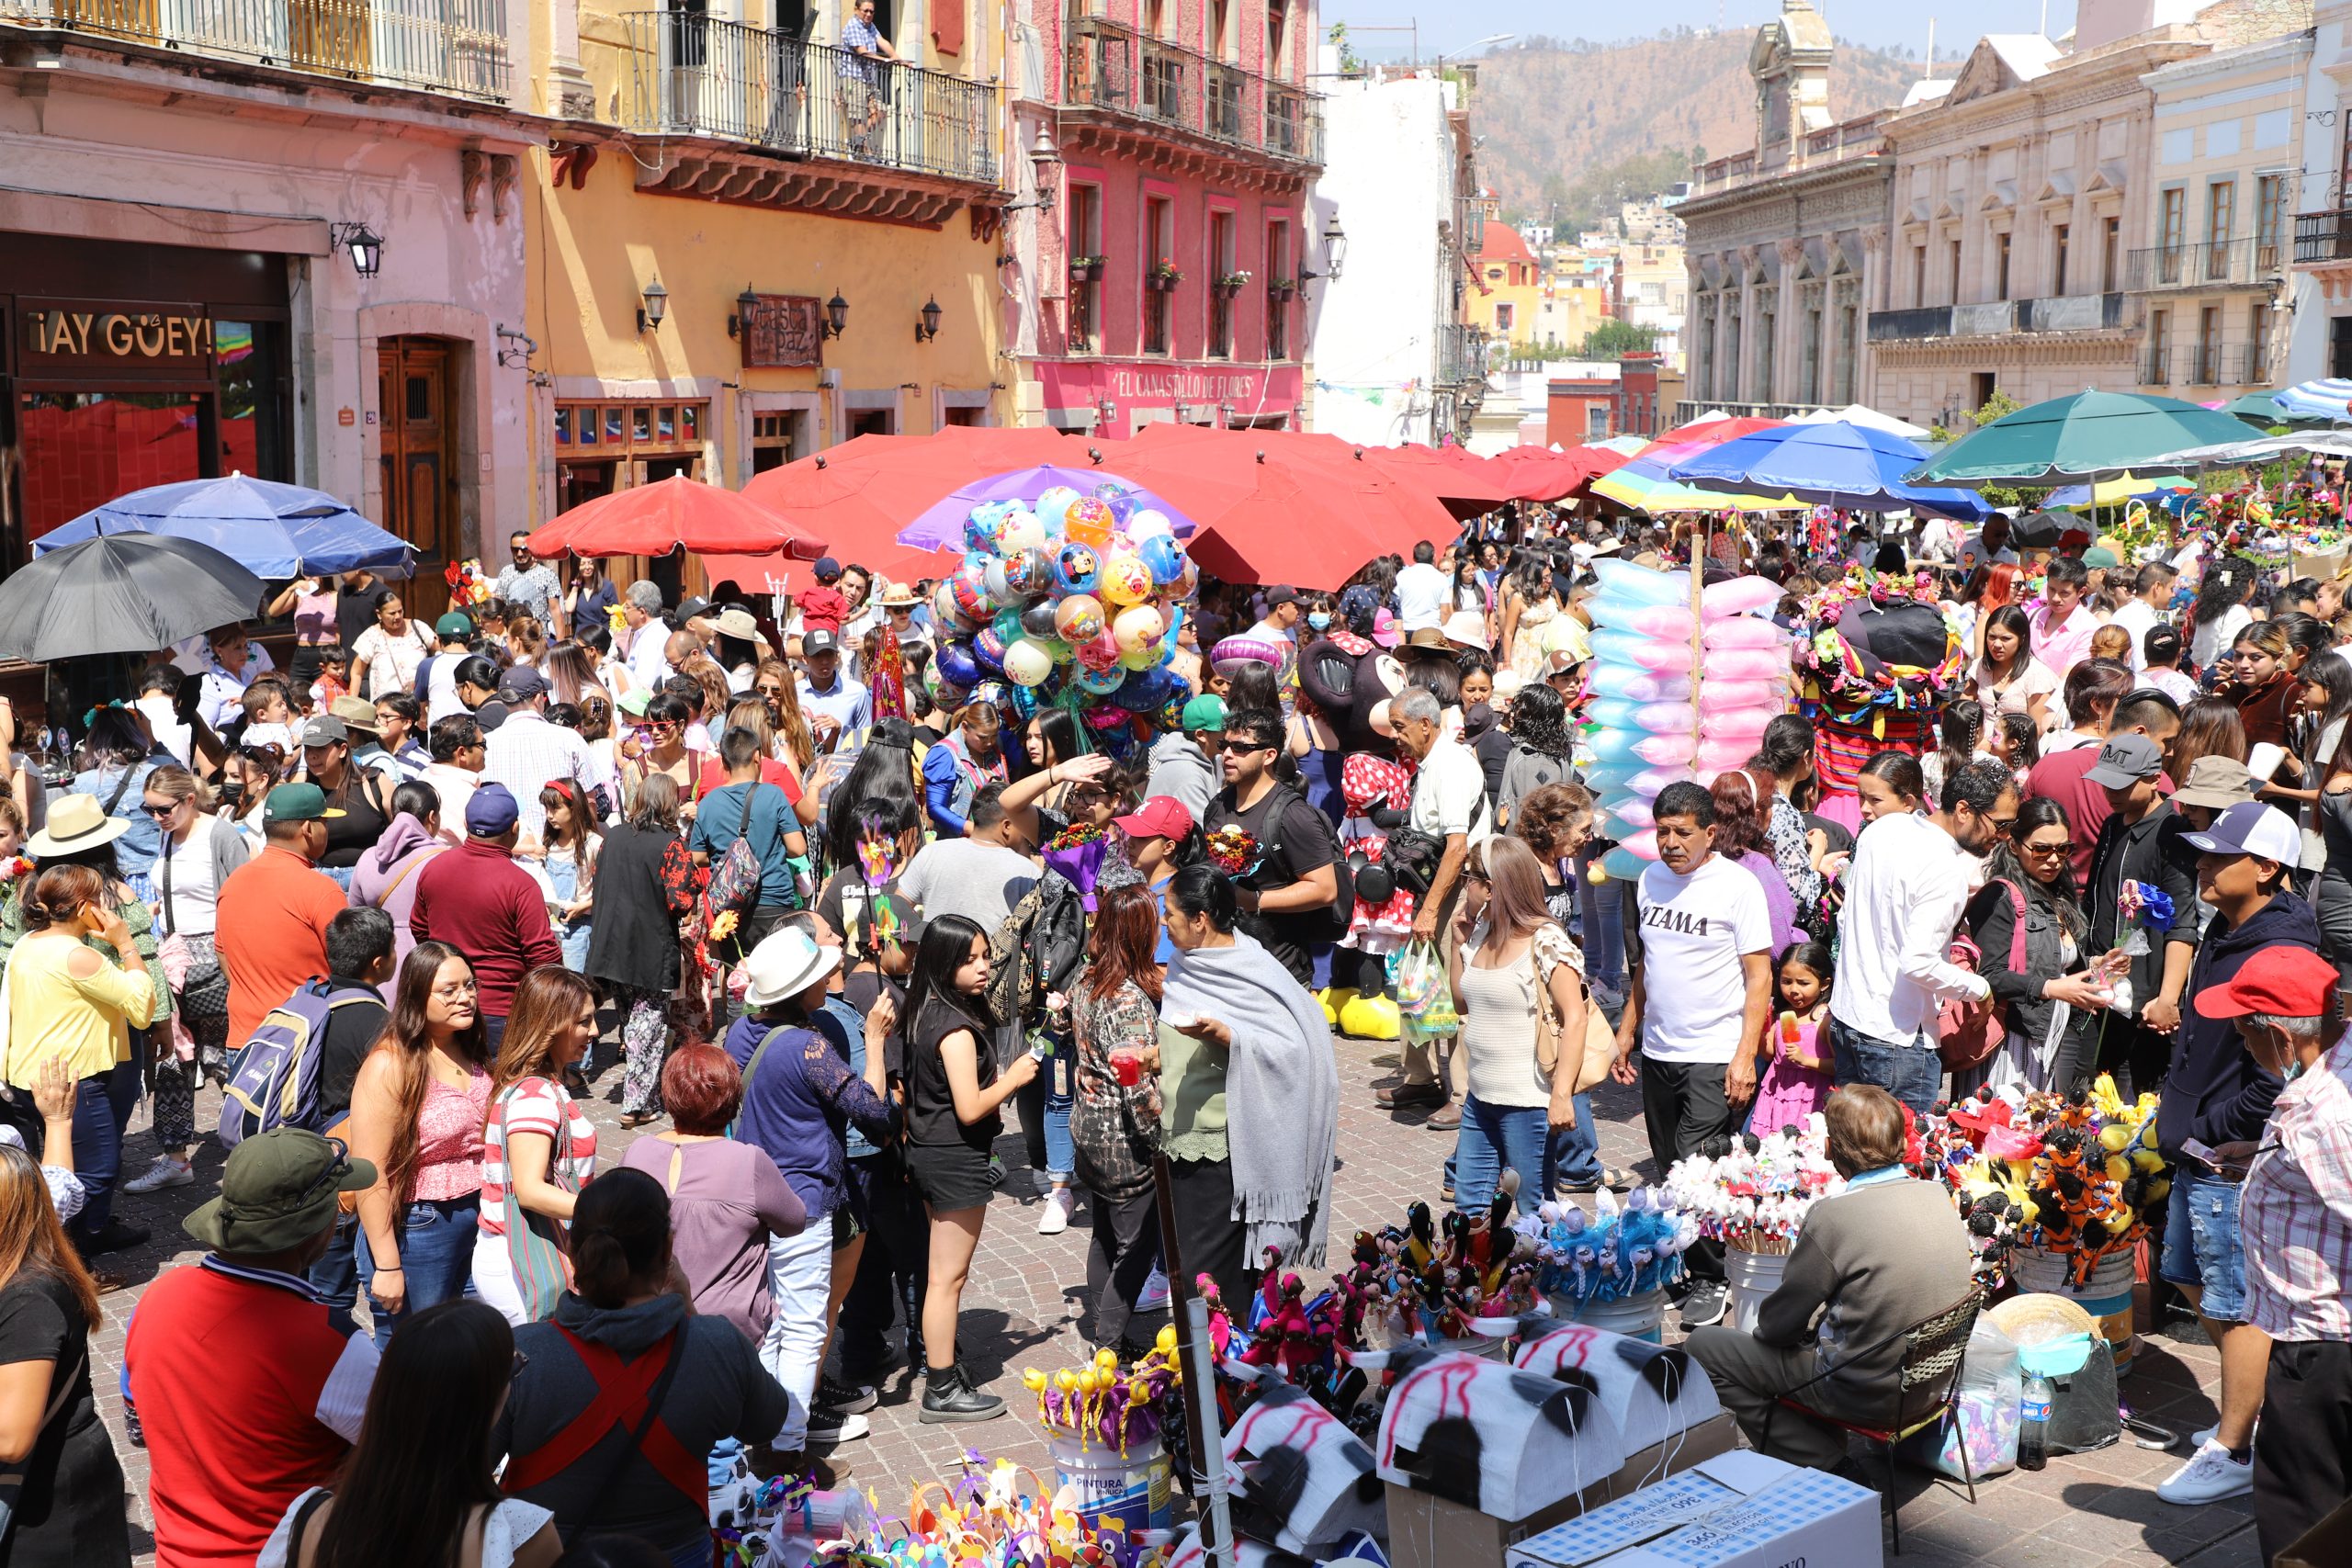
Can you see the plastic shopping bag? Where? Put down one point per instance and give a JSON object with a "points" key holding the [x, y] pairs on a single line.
{"points": [[1424, 992], [1986, 1418]]}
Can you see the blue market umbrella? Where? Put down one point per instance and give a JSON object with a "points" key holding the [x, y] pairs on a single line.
{"points": [[273, 530], [1852, 466], [120, 593]]}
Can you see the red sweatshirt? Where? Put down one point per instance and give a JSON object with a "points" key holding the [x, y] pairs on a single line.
{"points": [[480, 902]]}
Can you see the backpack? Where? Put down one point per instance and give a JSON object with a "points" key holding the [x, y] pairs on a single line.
{"points": [[1330, 922], [274, 1078], [735, 880], [1967, 1033]]}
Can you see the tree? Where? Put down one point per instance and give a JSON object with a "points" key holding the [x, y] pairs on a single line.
{"points": [[1613, 338]]}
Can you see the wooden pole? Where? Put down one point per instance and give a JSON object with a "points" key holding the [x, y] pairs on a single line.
{"points": [[1191, 1313]]}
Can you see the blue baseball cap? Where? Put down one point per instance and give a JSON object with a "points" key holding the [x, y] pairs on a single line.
{"points": [[491, 811]]}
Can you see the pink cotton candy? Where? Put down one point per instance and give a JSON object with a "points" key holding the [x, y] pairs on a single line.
{"points": [[1720, 601], [1743, 631], [1649, 620], [1664, 750], [1649, 781], [1746, 664], [1633, 684], [1732, 696], [1634, 814], [1647, 653]]}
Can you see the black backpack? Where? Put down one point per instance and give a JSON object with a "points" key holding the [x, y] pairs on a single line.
{"points": [[1330, 922]]}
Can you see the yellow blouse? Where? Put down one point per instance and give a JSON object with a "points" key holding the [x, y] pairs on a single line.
{"points": [[53, 1012]]}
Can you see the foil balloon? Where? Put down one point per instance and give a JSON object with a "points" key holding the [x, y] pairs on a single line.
{"points": [[1078, 618], [1053, 507], [1039, 620], [1148, 522], [1027, 664], [1143, 692], [953, 660], [984, 527], [1089, 521], [971, 593], [942, 602], [1137, 628], [1077, 568], [1099, 654], [1007, 625], [1124, 580], [1146, 657], [994, 693], [992, 579], [1023, 531], [1161, 556], [1100, 683], [943, 692], [987, 651], [1030, 571], [1119, 498]]}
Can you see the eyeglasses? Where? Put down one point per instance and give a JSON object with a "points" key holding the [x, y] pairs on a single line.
{"points": [[2062, 848], [159, 812], [337, 1169], [2003, 825], [453, 992]]}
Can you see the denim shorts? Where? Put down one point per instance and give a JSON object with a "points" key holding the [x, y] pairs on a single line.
{"points": [[2201, 1244]]}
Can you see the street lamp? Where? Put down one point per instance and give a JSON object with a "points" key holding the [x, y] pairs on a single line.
{"points": [[836, 316], [1043, 158], [1335, 251], [745, 303], [656, 306], [927, 328], [367, 247]]}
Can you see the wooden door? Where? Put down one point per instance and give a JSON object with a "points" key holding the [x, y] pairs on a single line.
{"points": [[414, 415], [330, 35]]}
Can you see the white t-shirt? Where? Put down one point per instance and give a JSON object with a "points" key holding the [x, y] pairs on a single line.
{"points": [[1695, 930], [1421, 597], [1450, 794], [2214, 637], [194, 892], [2136, 616]]}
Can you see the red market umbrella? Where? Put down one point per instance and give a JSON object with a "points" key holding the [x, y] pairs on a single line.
{"points": [[859, 494], [1538, 473], [1463, 489], [673, 513], [783, 573], [1268, 519]]}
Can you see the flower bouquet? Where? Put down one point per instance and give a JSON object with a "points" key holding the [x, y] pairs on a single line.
{"points": [[1233, 850], [468, 587]]}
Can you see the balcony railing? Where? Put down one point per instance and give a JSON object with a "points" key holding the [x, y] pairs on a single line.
{"points": [[2057, 313], [1688, 409], [1461, 354], [2323, 236], [444, 46], [1117, 68], [690, 75], [2222, 265], [2210, 364]]}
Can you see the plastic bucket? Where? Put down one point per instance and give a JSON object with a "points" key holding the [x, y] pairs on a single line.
{"points": [[2106, 1295], [1641, 1316], [1137, 1490], [1753, 1276]]}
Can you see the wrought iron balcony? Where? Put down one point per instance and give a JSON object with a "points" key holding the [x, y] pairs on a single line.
{"points": [[690, 75], [1461, 353], [2056, 313], [442, 46], [2323, 236], [1137, 77], [2210, 364], [2222, 265]]}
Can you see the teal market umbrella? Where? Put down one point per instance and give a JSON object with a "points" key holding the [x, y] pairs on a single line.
{"points": [[2088, 437]]}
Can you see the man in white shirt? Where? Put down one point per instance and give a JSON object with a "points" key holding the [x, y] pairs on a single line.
{"points": [[440, 667], [2150, 597], [833, 704], [641, 610], [1987, 548], [1450, 805], [526, 753], [1421, 590], [1904, 893], [1698, 1002]]}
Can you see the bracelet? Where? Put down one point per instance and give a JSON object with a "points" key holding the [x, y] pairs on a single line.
{"points": [[395, 1269]]}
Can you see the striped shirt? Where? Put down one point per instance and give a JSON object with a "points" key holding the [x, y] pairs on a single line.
{"points": [[545, 1107], [2296, 1210]]}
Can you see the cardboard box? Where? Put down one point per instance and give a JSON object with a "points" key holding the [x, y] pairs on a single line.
{"points": [[1738, 1510], [1430, 1532]]}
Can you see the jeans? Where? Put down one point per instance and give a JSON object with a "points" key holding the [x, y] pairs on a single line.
{"points": [[1913, 1073], [2202, 1246], [800, 1278], [1045, 1102], [1494, 1138], [335, 1276], [437, 1256], [102, 1103], [1603, 937], [1576, 1152]]}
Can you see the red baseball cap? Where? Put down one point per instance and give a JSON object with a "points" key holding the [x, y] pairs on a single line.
{"points": [[2288, 982], [1162, 816]]}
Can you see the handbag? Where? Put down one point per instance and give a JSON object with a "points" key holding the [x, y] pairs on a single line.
{"points": [[534, 1247], [1968, 1032], [1600, 1045]]}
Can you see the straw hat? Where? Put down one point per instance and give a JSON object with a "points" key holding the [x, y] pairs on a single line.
{"points": [[76, 822], [736, 622], [900, 593]]}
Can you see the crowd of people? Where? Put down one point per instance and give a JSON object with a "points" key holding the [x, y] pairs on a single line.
{"points": [[834, 929]]}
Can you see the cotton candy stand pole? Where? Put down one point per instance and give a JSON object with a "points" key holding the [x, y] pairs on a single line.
{"points": [[1200, 1375]]}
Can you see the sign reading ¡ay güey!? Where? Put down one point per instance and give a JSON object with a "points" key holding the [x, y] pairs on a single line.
{"points": [[114, 336]]}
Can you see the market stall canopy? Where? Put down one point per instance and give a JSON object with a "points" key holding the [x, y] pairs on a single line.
{"points": [[1266, 519], [2330, 398], [1869, 418], [940, 526], [858, 495], [2261, 411], [121, 593], [2120, 490], [1540, 473], [2262, 449], [272, 530], [1829, 464], [2090, 436], [1465, 485], [1642, 484], [677, 513]]}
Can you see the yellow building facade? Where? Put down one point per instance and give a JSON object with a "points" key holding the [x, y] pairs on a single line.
{"points": [[748, 243], [1506, 295]]}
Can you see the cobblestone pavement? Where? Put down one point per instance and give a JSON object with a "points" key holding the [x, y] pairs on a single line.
{"points": [[1026, 1298]]}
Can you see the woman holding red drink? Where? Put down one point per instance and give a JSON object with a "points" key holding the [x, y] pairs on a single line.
{"points": [[1115, 1114]]}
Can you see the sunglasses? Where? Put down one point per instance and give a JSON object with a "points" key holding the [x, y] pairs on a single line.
{"points": [[159, 812], [1242, 747], [2064, 847]]}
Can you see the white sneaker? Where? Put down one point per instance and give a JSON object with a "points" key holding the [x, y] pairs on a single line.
{"points": [[1154, 1294], [1059, 1205], [2210, 1476], [165, 1172], [2198, 1440]]}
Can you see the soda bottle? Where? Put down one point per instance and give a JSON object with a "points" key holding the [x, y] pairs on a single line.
{"points": [[2033, 1424]]}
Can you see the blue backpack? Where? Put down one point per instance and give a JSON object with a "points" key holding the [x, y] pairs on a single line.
{"points": [[274, 1080]]}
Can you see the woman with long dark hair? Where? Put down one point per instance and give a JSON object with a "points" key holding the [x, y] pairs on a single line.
{"points": [[2326, 806], [645, 886], [1051, 737], [1960, 731], [1743, 805], [68, 1509], [119, 763], [420, 1488], [623, 1336], [2219, 611], [1115, 1114], [417, 1110], [539, 1149], [2030, 878], [2210, 727], [2258, 683], [885, 770], [2008, 677], [1541, 747], [568, 854], [954, 1092], [1531, 601]]}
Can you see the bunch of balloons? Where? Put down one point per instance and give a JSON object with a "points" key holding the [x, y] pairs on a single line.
{"points": [[1072, 601], [1659, 722]]}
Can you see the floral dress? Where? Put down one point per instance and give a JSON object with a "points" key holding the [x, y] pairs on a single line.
{"points": [[1115, 1128]]}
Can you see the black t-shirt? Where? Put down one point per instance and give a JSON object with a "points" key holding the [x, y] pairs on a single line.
{"points": [[71, 1509], [859, 988], [355, 613], [352, 1031], [1307, 844], [930, 1103], [843, 904]]}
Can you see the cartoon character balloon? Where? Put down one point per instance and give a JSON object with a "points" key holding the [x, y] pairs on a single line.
{"points": [[1137, 628], [1079, 619], [1124, 580], [1161, 556], [1077, 568]]}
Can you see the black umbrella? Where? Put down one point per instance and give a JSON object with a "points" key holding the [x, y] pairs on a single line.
{"points": [[120, 593], [2044, 529]]}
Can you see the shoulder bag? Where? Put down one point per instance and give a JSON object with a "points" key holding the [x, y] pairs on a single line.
{"points": [[1599, 1047]]}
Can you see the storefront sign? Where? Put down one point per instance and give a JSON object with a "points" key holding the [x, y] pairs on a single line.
{"points": [[780, 332], [1204, 390], [91, 334]]}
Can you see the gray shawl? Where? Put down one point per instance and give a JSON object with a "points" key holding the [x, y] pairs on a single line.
{"points": [[1282, 1087]]}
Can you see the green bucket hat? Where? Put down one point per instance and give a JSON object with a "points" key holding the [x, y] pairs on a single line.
{"points": [[278, 1191]]}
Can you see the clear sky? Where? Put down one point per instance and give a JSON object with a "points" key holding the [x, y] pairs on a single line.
{"points": [[1447, 26]]}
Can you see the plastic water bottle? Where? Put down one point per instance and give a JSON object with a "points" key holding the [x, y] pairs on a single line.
{"points": [[2033, 1424]]}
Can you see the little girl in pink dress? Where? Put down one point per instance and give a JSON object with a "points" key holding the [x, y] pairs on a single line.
{"points": [[1798, 1080]]}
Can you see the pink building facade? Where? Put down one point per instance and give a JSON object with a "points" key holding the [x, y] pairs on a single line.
{"points": [[1162, 266]]}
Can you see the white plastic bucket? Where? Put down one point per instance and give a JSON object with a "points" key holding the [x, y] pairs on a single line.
{"points": [[1640, 1316], [1097, 1484], [2106, 1295], [1753, 1276]]}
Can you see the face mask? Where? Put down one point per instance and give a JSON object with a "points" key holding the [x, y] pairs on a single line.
{"points": [[1318, 620]]}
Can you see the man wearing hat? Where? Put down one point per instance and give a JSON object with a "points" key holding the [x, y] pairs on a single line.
{"points": [[530, 586], [357, 717], [2065, 776], [436, 676], [488, 908], [249, 1390], [526, 753], [1183, 761], [2295, 1212], [273, 910], [833, 704], [2143, 840], [2216, 1093]]}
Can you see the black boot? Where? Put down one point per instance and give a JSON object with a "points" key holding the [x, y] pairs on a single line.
{"points": [[948, 1395]]}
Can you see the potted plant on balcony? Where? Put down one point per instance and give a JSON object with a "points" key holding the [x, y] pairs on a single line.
{"points": [[1165, 276], [1230, 284], [1085, 269], [1281, 288]]}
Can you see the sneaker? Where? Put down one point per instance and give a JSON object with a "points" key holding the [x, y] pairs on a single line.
{"points": [[2198, 1440], [1154, 1294], [1411, 1096], [2210, 1476], [948, 1395], [165, 1172], [116, 1237], [827, 1428], [852, 1398], [1060, 1204], [1705, 1303]]}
